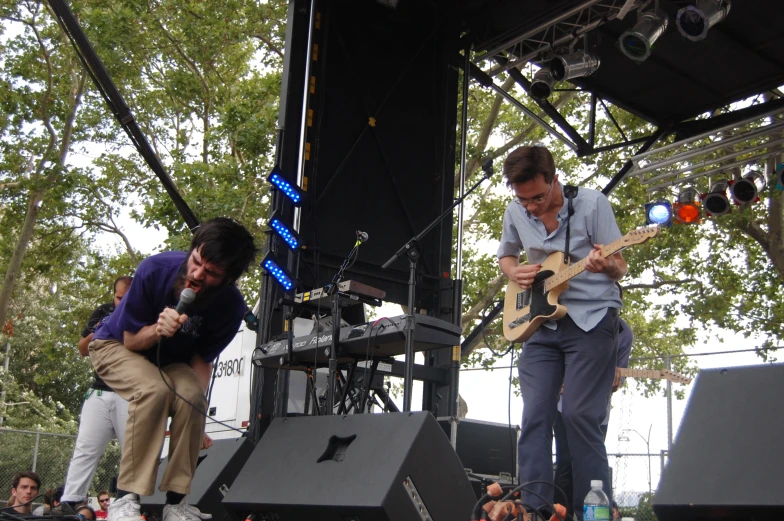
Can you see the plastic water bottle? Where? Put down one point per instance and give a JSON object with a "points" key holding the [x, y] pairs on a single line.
{"points": [[596, 506]]}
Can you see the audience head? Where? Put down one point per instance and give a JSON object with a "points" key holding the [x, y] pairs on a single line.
{"points": [[24, 489]]}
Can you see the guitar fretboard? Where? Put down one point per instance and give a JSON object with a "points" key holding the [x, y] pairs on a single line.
{"points": [[655, 373], [578, 267]]}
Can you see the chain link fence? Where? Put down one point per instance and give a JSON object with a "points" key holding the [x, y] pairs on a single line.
{"points": [[48, 455], [635, 479]]}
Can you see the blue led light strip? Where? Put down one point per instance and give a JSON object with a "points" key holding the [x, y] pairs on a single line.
{"points": [[285, 187], [277, 272], [285, 234]]}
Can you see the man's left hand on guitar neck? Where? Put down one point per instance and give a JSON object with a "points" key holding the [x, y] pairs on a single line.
{"points": [[614, 266]]}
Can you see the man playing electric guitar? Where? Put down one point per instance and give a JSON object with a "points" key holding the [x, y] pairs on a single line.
{"points": [[578, 350]]}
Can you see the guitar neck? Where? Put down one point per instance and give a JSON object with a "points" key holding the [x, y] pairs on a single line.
{"points": [[654, 373], [578, 267]]}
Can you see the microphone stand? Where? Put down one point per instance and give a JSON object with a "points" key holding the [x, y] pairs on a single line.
{"points": [[411, 250], [336, 315]]}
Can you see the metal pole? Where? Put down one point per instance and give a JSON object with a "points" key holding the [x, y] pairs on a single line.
{"points": [[458, 285], [5, 381], [463, 173], [669, 407], [528, 112], [637, 157], [648, 443], [35, 448], [304, 121], [557, 19]]}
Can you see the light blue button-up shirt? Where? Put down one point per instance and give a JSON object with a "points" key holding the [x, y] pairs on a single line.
{"points": [[589, 294]]}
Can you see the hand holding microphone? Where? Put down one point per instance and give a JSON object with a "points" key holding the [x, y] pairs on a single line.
{"points": [[170, 320]]}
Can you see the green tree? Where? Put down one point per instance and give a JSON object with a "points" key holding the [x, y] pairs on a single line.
{"points": [[202, 79]]}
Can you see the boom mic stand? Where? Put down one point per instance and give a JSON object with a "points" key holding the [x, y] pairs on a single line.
{"points": [[336, 314], [411, 250]]}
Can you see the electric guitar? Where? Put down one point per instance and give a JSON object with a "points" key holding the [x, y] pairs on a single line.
{"points": [[660, 374], [526, 310]]}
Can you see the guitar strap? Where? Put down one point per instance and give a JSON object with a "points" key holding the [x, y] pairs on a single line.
{"points": [[570, 192]]}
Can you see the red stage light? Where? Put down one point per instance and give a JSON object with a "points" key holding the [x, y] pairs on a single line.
{"points": [[688, 209]]}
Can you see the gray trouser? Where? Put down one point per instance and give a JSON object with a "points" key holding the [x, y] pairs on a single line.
{"points": [[585, 363]]}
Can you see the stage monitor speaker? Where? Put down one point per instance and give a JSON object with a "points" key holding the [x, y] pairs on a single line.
{"points": [[484, 447], [728, 458], [360, 467], [216, 471]]}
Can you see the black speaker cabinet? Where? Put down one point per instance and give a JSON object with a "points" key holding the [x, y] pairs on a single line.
{"points": [[361, 467], [728, 459], [485, 447], [217, 468]]}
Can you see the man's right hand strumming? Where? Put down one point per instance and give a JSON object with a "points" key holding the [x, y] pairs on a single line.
{"points": [[521, 274]]}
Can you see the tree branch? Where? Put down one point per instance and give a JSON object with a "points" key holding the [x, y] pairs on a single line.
{"points": [[662, 282], [489, 295]]}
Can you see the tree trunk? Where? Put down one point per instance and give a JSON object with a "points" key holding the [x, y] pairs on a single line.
{"points": [[31, 217]]}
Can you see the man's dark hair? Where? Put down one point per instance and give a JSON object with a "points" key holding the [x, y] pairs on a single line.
{"points": [[227, 244], [29, 474], [525, 163], [58, 494], [125, 279], [103, 493]]}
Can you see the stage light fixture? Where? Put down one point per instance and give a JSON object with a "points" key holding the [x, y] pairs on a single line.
{"points": [[693, 21], [575, 65], [273, 267], [716, 201], [287, 234], [636, 43], [746, 189], [779, 177], [658, 212], [542, 84], [688, 209], [288, 189]]}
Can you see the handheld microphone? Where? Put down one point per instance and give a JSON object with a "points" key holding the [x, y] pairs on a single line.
{"points": [[362, 236], [186, 299]]}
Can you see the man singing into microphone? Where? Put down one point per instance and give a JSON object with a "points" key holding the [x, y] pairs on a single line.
{"points": [[146, 333]]}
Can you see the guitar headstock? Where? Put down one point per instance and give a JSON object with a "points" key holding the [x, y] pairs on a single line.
{"points": [[677, 378], [641, 235]]}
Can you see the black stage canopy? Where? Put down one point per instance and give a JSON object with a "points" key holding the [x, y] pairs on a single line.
{"points": [[741, 56]]}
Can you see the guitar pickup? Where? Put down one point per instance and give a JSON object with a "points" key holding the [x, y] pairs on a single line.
{"points": [[519, 321], [523, 299]]}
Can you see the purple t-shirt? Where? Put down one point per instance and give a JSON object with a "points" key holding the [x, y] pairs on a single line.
{"points": [[210, 327]]}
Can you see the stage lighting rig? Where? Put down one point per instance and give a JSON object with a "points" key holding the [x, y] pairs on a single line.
{"points": [[279, 226], [637, 42], [658, 212], [542, 84], [716, 201], [746, 189], [694, 21], [289, 189], [688, 209], [273, 267], [575, 65]]}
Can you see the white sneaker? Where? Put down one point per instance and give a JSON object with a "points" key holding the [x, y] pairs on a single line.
{"points": [[125, 508], [183, 512]]}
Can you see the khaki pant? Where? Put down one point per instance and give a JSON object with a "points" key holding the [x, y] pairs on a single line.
{"points": [[150, 404]]}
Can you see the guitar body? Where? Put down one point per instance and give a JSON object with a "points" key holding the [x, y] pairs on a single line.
{"points": [[526, 310]]}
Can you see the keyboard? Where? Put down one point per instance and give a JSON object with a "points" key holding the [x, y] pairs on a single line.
{"points": [[383, 338]]}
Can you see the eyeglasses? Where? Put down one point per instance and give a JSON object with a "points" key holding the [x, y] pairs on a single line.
{"points": [[539, 199], [104, 500]]}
